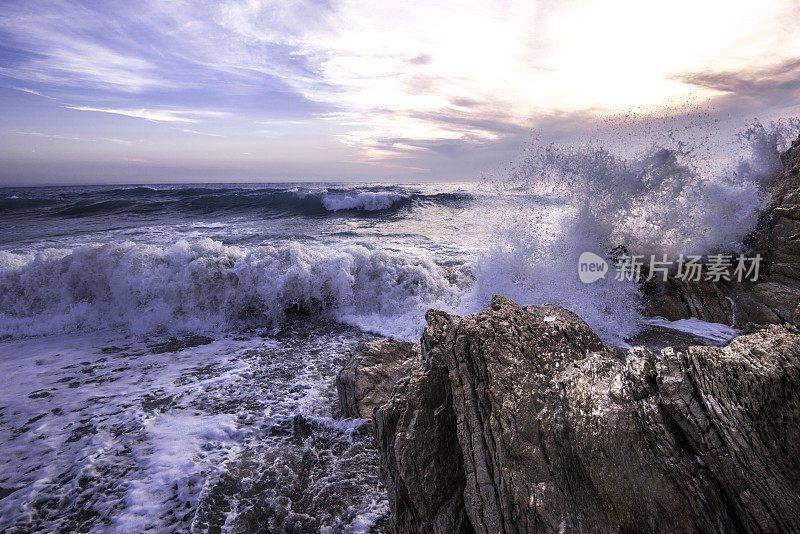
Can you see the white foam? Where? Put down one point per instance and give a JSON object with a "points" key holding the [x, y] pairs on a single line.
{"points": [[663, 201], [205, 285], [177, 448], [717, 332], [130, 440]]}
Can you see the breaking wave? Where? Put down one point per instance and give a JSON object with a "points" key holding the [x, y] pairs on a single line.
{"points": [[205, 285], [557, 203]]}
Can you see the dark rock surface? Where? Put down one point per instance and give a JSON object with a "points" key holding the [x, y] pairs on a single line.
{"points": [[367, 379], [685, 299], [420, 457], [523, 420]]}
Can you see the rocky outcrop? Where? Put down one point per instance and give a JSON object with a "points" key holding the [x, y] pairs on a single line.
{"points": [[420, 457], [367, 379], [523, 420]]}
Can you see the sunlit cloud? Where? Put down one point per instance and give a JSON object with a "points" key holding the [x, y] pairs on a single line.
{"points": [[445, 71]]}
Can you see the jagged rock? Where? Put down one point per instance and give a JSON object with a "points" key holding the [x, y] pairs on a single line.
{"points": [[367, 379], [530, 423], [686, 298], [420, 458]]}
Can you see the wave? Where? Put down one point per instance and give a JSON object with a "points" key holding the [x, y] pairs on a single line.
{"points": [[205, 285], [14, 202], [370, 201], [71, 203]]}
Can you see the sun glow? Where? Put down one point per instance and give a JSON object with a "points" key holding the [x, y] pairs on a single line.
{"points": [[422, 72]]}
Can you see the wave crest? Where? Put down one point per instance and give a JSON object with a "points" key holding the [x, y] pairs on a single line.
{"points": [[205, 285]]}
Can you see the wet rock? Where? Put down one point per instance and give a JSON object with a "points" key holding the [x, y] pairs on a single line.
{"points": [[420, 457], [366, 381], [523, 420], [175, 344], [686, 298], [776, 296], [670, 306]]}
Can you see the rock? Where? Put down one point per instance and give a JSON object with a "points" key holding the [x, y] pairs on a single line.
{"points": [[175, 344], [775, 296], [523, 420], [685, 298], [670, 306], [778, 301], [367, 379], [420, 458]]}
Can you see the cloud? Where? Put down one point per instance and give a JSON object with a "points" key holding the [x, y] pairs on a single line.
{"points": [[772, 85], [493, 70], [59, 44], [402, 81], [32, 92], [45, 135], [186, 130], [157, 115], [422, 59]]}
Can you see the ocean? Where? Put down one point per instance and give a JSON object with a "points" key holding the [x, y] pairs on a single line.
{"points": [[169, 351]]}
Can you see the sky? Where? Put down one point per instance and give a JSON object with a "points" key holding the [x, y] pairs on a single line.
{"points": [[152, 91]]}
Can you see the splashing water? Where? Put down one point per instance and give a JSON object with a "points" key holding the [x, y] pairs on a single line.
{"points": [[660, 202], [558, 203]]}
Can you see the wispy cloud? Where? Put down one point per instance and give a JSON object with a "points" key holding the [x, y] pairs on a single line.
{"points": [[157, 115], [66, 137], [45, 135], [74, 45], [195, 132], [776, 84], [32, 92]]}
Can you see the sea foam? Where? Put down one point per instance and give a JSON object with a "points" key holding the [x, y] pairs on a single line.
{"points": [[557, 203], [204, 285]]}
